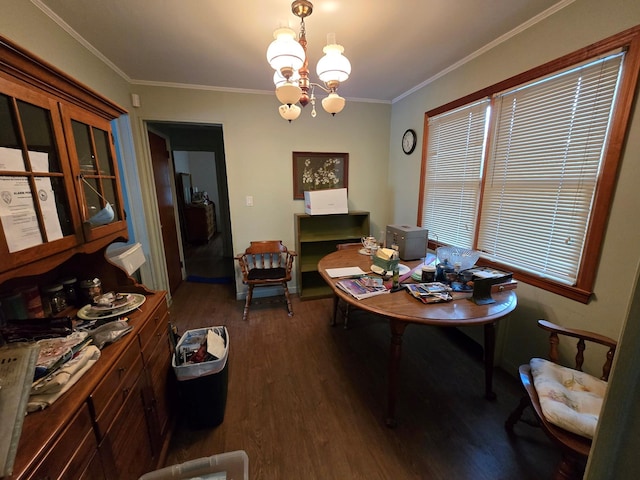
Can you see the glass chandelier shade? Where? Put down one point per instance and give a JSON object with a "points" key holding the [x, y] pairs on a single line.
{"points": [[333, 103], [285, 52], [289, 112], [288, 93], [333, 66]]}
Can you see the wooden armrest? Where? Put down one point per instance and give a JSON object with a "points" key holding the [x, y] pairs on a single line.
{"points": [[572, 332]]}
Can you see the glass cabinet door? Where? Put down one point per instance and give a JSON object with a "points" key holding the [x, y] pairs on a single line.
{"points": [[97, 173], [36, 187]]}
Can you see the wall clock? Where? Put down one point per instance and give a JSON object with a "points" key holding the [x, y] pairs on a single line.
{"points": [[409, 140]]}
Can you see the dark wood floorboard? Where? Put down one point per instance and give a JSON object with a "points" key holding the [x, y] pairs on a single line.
{"points": [[205, 259], [307, 400]]}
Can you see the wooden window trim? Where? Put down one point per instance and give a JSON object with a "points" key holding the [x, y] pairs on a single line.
{"points": [[628, 40]]}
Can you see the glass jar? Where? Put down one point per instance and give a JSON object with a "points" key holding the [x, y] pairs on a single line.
{"points": [[13, 306], [70, 286], [55, 300], [428, 274], [90, 289], [32, 300]]}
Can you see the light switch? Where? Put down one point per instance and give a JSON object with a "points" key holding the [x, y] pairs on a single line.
{"points": [[249, 201]]}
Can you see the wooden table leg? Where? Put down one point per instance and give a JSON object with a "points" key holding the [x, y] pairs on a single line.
{"points": [[395, 352], [489, 353]]}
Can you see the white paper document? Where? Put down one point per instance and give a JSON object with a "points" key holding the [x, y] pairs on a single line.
{"points": [[11, 159], [47, 199], [18, 213], [345, 272]]}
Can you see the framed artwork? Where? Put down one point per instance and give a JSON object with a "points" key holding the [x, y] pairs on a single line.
{"points": [[319, 171]]}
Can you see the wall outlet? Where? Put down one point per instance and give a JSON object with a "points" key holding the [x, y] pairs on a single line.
{"points": [[249, 201]]}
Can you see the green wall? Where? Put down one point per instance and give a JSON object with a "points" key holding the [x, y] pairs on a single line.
{"points": [[258, 146]]}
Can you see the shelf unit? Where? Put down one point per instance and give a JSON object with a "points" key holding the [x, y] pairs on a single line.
{"points": [[317, 236]]}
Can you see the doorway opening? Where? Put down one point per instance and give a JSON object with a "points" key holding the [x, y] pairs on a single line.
{"points": [[202, 200]]}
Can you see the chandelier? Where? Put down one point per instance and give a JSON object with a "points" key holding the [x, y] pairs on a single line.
{"points": [[287, 55]]}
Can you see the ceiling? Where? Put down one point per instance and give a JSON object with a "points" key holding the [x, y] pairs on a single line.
{"points": [[394, 45]]}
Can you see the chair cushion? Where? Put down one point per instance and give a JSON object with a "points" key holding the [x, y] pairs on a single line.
{"points": [[266, 273], [569, 398]]}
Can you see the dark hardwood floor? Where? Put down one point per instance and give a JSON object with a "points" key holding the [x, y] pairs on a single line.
{"points": [[205, 260], [307, 400]]}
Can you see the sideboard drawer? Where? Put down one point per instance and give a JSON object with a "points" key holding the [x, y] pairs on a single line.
{"points": [[114, 388], [72, 453], [154, 330]]}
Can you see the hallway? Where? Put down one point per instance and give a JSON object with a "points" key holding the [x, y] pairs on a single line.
{"points": [[205, 263]]}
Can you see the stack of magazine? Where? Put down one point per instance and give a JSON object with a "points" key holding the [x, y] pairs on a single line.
{"points": [[363, 287], [433, 292]]}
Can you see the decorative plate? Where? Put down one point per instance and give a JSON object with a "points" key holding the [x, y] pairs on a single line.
{"points": [[116, 305], [88, 312]]}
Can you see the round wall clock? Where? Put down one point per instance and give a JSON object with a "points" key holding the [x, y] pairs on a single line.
{"points": [[409, 140]]}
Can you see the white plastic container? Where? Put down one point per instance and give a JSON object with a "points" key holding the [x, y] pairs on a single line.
{"points": [[190, 340], [224, 466], [128, 257]]}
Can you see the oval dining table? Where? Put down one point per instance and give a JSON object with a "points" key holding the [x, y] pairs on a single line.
{"points": [[401, 310]]}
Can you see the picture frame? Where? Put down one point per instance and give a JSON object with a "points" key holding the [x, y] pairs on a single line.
{"points": [[319, 171]]}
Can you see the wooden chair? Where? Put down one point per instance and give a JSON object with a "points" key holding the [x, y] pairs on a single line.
{"points": [[574, 448], [336, 299], [265, 264]]}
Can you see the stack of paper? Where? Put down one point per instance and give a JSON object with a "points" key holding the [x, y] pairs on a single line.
{"points": [[361, 288]]}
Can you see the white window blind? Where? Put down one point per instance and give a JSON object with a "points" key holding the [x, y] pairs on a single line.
{"points": [[453, 174], [542, 171]]}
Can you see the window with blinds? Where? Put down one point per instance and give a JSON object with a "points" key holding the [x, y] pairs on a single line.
{"points": [[542, 171], [452, 184], [524, 170]]}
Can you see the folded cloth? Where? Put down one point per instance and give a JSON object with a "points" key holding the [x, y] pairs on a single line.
{"points": [[569, 398], [54, 351], [48, 390]]}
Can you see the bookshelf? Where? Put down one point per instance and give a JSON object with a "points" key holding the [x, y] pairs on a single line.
{"points": [[317, 236]]}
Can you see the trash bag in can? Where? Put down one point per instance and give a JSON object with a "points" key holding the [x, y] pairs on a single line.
{"points": [[202, 386]]}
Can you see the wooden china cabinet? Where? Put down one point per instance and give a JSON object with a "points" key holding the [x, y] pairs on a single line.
{"points": [[60, 208]]}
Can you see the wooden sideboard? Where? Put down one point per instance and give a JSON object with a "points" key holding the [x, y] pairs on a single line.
{"points": [[113, 423]]}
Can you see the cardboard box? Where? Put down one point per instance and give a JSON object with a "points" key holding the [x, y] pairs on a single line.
{"points": [[326, 202], [412, 241], [386, 265]]}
